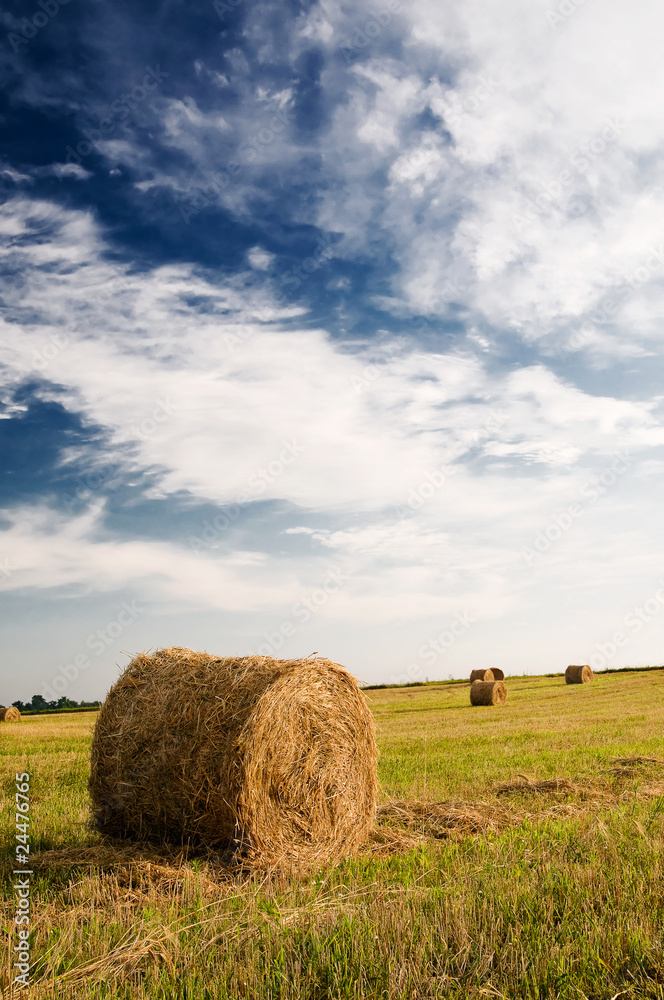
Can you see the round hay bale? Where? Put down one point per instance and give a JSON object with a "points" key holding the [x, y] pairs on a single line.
{"points": [[578, 674], [498, 674], [481, 675], [10, 714], [273, 758], [488, 693]]}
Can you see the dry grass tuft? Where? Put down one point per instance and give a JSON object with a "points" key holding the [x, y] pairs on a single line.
{"points": [[635, 761], [274, 760], [522, 783], [626, 767], [133, 873], [442, 819]]}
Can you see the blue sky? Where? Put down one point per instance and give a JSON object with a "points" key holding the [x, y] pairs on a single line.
{"points": [[334, 328]]}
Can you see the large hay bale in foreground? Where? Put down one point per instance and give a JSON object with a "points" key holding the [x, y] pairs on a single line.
{"points": [[488, 693], [481, 675], [498, 674], [10, 714], [274, 758], [578, 674]]}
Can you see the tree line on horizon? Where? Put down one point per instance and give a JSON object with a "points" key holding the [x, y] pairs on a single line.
{"points": [[39, 704]]}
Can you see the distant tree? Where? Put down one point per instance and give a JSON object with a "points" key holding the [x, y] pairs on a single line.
{"points": [[39, 704]]}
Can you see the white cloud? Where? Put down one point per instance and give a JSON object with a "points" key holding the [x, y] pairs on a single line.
{"points": [[545, 199], [45, 550], [229, 405], [259, 258], [74, 170], [15, 176]]}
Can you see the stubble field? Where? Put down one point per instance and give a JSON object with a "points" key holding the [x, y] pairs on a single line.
{"points": [[519, 853]]}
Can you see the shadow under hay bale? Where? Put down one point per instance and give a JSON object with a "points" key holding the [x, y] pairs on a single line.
{"points": [[578, 674], [10, 714], [481, 675], [488, 693], [275, 759]]}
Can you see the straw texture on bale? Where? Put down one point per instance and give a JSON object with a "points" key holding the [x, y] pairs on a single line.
{"points": [[498, 674], [578, 674], [275, 759], [481, 675], [10, 714], [488, 693]]}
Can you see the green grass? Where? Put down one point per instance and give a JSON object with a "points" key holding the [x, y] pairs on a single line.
{"points": [[434, 743], [563, 898]]}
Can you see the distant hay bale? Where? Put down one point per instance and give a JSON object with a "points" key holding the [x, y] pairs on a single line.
{"points": [[273, 758], [498, 674], [488, 693], [481, 675], [10, 714], [578, 674]]}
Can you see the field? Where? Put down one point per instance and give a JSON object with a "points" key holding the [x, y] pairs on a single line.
{"points": [[519, 854]]}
